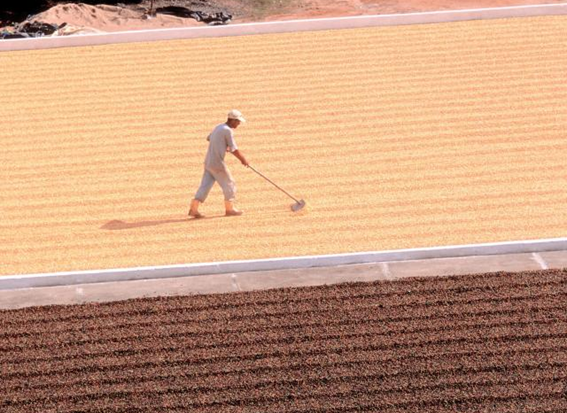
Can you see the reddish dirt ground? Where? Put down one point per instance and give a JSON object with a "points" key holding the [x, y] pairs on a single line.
{"points": [[109, 18], [493, 342], [324, 8]]}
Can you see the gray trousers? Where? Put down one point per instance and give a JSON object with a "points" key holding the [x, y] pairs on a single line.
{"points": [[223, 177]]}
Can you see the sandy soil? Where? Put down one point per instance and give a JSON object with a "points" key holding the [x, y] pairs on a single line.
{"points": [[134, 17], [110, 18]]}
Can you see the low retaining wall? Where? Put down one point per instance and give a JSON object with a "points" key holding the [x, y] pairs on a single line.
{"points": [[283, 27], [141, 273]]}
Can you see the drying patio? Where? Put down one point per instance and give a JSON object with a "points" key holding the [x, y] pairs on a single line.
{"points": [[397, 137]]}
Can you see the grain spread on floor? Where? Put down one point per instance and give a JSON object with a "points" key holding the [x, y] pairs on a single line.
{"points": [[477, 343], [397, 137]]}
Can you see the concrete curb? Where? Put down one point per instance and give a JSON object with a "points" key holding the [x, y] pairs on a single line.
{"points": [[283, 27], [11, 282]]}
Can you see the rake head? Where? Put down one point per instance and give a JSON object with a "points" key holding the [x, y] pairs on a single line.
{"points": [[298, 206]]}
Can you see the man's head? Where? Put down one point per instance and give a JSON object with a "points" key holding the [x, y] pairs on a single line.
{"points": [[235, 118]]}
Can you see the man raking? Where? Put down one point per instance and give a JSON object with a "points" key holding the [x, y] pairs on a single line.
{"points": [[221, 140]]}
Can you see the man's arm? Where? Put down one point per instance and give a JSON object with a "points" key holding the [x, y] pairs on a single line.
{"points": [[241, 157]]}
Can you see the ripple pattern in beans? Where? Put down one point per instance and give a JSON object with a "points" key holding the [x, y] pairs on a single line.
{"points": [[493, 341]]}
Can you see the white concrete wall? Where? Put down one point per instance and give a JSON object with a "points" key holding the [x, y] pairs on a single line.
{"points": [[86, 277], [283, 27]]}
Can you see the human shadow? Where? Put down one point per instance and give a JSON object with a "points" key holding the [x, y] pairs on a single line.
{"points": [[117, 224]]}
